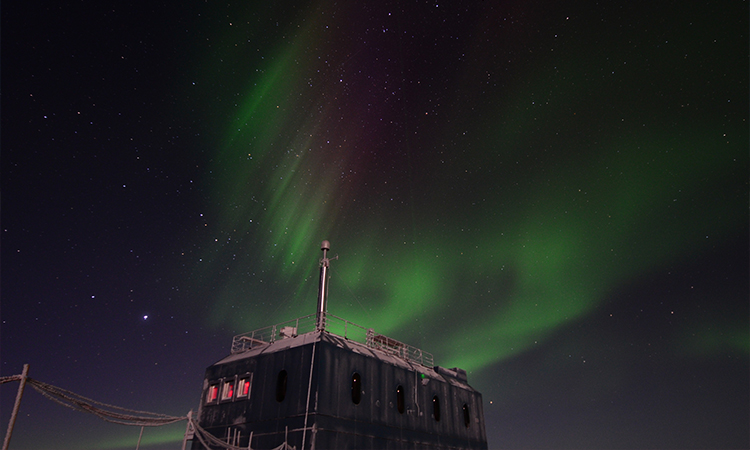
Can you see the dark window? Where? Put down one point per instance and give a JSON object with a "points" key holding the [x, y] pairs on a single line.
{"points": [[356, 388], [436, 408], [467, 417], [281, 386], [400, 398]]}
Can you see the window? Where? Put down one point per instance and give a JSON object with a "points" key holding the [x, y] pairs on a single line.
{"points": [[243, 387], [400, 399], [227, 391], [356, 388], [213, 393], [281, 386], [467, 417], [436, 408]]}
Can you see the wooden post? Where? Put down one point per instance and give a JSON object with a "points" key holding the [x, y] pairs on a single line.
{"points": [[138, 445], [189, 432], [14, 414]]}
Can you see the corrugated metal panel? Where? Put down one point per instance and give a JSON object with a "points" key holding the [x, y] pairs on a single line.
{"points": [[261, 413], [339, 423]]}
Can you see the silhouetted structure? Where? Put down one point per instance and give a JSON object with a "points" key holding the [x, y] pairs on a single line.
{"points": [[321, 382]]}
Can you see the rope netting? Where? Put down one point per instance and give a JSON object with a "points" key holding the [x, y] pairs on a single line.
{"points": [[206, 438], [125, 416], [104, 411]]}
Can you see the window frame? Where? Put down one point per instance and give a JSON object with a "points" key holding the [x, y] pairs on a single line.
{"points": [[400, 399], [212, 394], [467, 415], [227, 390], [356, 388], [282, 380], [244, 381]]}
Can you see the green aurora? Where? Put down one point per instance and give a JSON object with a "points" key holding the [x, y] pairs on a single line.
{"points": [[499, 182], [494, 225]]}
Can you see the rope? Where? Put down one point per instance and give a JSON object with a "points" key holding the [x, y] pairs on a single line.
{"points": [[125, 416], [114, 414], [203, 436], [4, 380]]}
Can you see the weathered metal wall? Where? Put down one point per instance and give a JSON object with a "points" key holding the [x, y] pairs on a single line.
{"points": [[261, 414], [376, 423], [334, 420]]}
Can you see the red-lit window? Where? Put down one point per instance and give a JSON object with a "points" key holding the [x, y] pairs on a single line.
{"points": [[213, 393], [243, 387], [228, 391]]}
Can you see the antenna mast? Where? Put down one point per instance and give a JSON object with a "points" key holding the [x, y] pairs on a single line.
{"points": [[323, 286]]}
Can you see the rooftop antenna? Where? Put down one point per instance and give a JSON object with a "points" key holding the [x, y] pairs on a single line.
{"points": [[323, 286]]}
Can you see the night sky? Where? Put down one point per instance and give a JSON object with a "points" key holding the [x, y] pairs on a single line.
{"points": [[550, 195]]}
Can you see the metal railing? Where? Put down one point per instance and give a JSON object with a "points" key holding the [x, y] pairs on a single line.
{"points": [[397, 348], [267, 335], [335, 325]]}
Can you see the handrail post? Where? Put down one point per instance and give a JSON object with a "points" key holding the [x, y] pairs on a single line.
{"points": [[17, 405]]}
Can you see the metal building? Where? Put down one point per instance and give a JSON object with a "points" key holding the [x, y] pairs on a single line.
{"points": [[321, 382]]}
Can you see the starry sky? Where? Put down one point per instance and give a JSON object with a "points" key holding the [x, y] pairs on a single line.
{"points": [[550, 195]]}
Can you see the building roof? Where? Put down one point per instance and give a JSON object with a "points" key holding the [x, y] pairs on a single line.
{"points": [[285, 336]]}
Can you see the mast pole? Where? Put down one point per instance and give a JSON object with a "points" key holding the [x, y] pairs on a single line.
{"points": [[17, 405], [323, 287]]}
